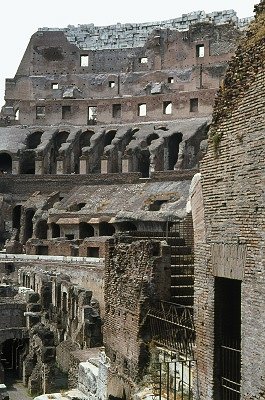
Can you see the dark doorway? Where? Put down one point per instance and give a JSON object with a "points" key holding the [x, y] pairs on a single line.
{"points": [[93, 252], [28, 225], [16, 215], [106, 229], [144, 163], [42, 228], [28, 162], [12, 355], [227, 339], [42, 250], [85, 230], [55, 230], [5, 163], [173, 149]]}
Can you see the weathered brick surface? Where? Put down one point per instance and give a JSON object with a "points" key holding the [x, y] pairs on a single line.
{"points": [[136, 274], [233, 182]]}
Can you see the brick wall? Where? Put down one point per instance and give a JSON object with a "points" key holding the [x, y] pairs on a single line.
{"points": [[136, 274], [233, 184]]}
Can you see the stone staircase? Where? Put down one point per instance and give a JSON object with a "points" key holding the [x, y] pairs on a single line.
{"points": [[180, 240]]}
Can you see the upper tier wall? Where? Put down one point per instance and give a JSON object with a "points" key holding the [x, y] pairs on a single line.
{"points": [[90, 37]]}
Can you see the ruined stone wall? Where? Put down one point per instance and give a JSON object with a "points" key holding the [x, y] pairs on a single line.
{"points": [[233, 196], [13, 322], [53, 86], [131, 35], [136, 275]]}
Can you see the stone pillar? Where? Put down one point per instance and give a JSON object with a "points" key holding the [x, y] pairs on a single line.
{"points": [[105, 165], [103, 366], [39, 166], [59, 166], [15, 166], [83, 165], [126, 165]]}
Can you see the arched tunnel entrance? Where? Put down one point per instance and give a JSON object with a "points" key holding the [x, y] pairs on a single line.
{"points": [[5, 163], [12, 354]]}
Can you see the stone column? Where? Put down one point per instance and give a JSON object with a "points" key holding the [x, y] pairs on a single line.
{"points": [[105, 165], [126, 165], [59, 166], [15, 166], [39, 166], [83, 165]]}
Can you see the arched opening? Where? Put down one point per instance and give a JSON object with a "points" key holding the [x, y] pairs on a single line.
{"points": [[151, 137], [41, 230], [144, 163], [28, 163], [16, 215], [106, 229], [12, 356], [34, 140], [109, 136], [28, 225], [127, 226], [58, 139], [173, 149], [5, 163], [85, 230], [83, 141], [55, 230]]}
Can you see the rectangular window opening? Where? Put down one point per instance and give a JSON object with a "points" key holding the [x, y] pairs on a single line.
{"points": [[84, 59], [92, 115], [116, 110], [200, 50], [55, 86], [69, 236], [143, 60], [142, 110], [167, 107], [170, 79], [194, 105], [40, 112], [93, 252], [66, 112], [111, 84]]}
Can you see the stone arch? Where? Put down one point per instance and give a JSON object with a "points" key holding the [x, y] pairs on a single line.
{"points": [[85, 230], [5, 163], [84, 140], [41, 229], [151, 137], [58, 139], [34, 139], [109, 136], [106, 229]]}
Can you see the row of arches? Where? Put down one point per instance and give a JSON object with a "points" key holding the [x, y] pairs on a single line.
{"points": [[27, 161], [85, 230]]}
